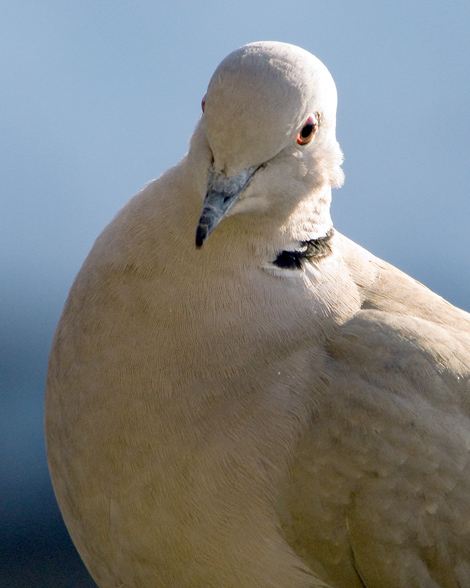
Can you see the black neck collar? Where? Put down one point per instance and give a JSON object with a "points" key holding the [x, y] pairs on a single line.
{"points": [[311, 250]]}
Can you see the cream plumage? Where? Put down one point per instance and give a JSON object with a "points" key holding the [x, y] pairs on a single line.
{"points": [[272, 406]]}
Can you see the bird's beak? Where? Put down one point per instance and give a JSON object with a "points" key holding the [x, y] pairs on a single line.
{"points": [[222, 193]]}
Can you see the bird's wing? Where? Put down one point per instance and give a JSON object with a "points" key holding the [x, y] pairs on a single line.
{"points": [[381, 483]]}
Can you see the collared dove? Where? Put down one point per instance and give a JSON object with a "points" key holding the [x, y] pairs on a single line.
{"points": [[242, 397]]}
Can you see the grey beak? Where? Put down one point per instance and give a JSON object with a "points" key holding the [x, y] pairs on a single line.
{"points": [[222, 193]]}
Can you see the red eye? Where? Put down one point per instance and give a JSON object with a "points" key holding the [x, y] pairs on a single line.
{"points": [[307, 132], [203, 103]]}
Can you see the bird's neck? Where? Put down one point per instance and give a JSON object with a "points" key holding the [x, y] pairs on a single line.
{"points": [[307, 251], [311, 217]]}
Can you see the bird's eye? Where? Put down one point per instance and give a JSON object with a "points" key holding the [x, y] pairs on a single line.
{"points": [[203, 103], [307, 131]]}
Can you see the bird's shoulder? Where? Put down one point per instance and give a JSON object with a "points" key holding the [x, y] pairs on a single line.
{"points": [[401, 319], [399, 375]]}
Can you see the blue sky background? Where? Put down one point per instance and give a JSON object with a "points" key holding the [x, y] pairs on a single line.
{"points": [[98, 97]]}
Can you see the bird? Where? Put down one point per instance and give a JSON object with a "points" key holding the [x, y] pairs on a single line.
{"points": [[239, 396]]}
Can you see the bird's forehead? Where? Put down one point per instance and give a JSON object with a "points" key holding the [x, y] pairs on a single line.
{"points": [[261, 93], [249, 82], [276, 75]]}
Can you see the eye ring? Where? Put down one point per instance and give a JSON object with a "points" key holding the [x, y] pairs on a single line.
{"points": [[203, 103], [307, 131]]}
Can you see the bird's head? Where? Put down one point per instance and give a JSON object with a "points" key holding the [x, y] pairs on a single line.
{"points": [[269, 118]]}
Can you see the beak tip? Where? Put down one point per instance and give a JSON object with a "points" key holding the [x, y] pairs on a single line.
{"points": [[222, 193], [201, 235]]}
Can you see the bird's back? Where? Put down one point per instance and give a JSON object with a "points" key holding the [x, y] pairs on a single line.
{"points": [[384, 467]]}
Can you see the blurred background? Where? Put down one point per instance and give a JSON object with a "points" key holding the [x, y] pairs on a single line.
{"points": [[98, 97]]}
